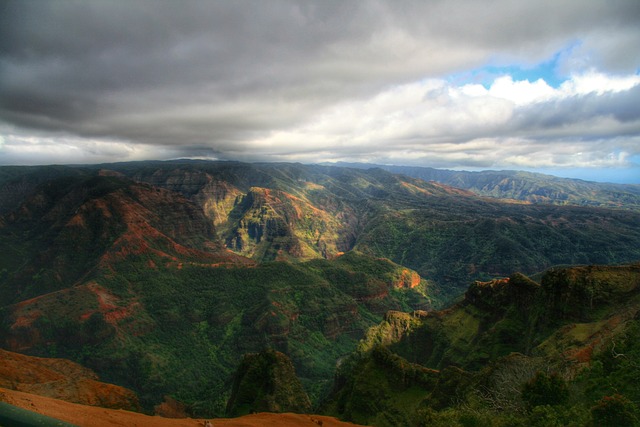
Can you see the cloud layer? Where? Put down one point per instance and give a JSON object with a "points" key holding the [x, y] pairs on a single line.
{"points": [[314, 81]]}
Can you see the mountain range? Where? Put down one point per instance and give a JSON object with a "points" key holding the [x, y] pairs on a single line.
{"points": [[162, 276], [525, 186]]}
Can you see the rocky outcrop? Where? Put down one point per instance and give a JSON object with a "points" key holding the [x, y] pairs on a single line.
{"points": [[409, 279], [267, 382], [269, 224], [498, 294], [392, 329], [579, 292], [503, 334]]}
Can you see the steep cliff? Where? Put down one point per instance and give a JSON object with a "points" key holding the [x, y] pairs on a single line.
{"points": [[125, 268], [447, 235], [264, 214], [271, 224], [70, 226], [575, 335]]}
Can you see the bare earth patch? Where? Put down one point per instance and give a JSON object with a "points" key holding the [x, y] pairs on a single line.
{"points": [[82, 415]]}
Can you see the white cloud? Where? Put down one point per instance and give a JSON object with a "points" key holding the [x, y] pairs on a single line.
{"points": [[474, 90], [521, 92], [30, 148], [311, 81], [595, 82], [512, 124], [430, 122]]}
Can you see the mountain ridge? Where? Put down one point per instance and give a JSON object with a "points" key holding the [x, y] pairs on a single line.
{"points": [[478, 359], [322, 211], [160, 276], [528, 187]]}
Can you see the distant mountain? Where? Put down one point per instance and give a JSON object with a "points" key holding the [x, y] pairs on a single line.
{"points": [[292, 211], [69, 226], [269, 211], [526, 186], [449, 236], [16, 182]]}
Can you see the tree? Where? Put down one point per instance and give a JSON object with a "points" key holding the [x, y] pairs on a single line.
{"points": [[543, 389], [614, 411]]}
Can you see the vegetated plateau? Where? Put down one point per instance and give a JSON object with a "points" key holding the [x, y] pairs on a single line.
{"points": [[225, 288]]}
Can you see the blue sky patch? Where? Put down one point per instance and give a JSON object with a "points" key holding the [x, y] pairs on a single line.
{"points": [[549, 71]]}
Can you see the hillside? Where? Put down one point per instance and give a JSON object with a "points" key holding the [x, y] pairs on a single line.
{"points": [[575, 333], [69, 226], [161, 276], [87, 416], [128, 279], [526, 186], [62, 379], [267, 382], [449, 236]]}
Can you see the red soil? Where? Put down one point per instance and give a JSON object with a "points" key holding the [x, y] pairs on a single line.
{"points": [[82, 415]]}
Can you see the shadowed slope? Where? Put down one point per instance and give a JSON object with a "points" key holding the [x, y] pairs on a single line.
{"points": [[579, 327]]}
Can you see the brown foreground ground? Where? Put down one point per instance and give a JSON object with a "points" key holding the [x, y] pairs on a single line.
{"points": [[92, 416]]}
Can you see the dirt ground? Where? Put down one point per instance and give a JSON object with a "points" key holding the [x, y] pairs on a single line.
{"points": [[92, 416]]}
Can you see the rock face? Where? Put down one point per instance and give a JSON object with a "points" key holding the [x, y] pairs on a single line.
{"points": [[127, 271], [263, 224], [72, 225], [62, 379], [267, 382], [498, 294], [257, 219], [495, 341], [576, 294]]}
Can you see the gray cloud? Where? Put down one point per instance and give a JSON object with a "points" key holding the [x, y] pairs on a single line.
{"points": [[621, 109], [215, 78]]}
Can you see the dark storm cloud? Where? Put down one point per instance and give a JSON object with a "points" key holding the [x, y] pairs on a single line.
{"points": [[215, 77], [620, 108]]}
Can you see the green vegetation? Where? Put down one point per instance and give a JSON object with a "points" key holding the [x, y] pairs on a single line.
{"points": [[545, 389], [491, 375], [460, 242], [130, 271], [188, 327], [531, 187], [17, 417], [447, 235], [267, 382], [615, 411], [292, 212]]}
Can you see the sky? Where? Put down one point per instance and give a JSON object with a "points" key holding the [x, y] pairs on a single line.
{"points": [[547, 85]]}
